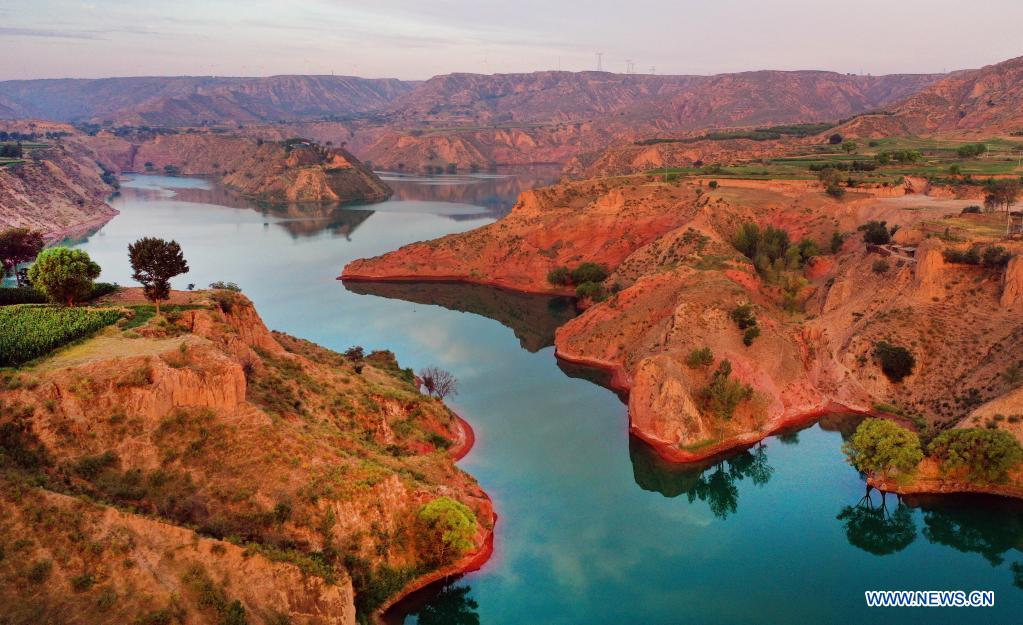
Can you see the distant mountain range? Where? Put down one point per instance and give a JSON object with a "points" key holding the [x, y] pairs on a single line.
{"points": [[463, 99]]}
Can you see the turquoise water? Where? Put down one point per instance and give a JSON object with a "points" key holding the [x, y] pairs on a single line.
{"points": [[593, 528]]}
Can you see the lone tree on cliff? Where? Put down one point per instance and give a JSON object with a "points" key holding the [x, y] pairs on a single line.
{"points": [[64, 275], [154, 262], [438, 382], [18, 245]]}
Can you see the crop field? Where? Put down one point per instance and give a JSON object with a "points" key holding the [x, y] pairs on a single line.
{"points": [[28, 331]]}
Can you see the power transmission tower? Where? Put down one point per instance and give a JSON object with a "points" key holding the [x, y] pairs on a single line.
{"points": [[653, 70], [630, 67], [600, 61]]}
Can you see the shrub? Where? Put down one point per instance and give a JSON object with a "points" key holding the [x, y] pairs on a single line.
{"points": [[355, 353], [987, 455], [879, 445], [589, 272], [21, 295], [896, 361], [723, 394], [28, 332], [64, 275], [744, 316], [990, 256], [559, 276], [713, 184], [834, 191], [750, 335], [880, 266], [837, 241], [220, 285], [835, 139], [447, 529], [971, 149], [29, 295], [876, 232], [83, 582], [700, 358], [589, 290]]}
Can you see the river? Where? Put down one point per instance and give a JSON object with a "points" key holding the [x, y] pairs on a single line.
{"points": [[593, 528]]}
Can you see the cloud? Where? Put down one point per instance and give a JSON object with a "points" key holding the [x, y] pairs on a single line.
{"points": [[39, 33]]}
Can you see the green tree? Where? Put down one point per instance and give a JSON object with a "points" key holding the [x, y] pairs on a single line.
{"points": [[850, 146], [18, 245], [879, 446], [723, 394], [986, 455], [447, 528], [154, 262], [63, 275], [589, 272], [559, 276]]}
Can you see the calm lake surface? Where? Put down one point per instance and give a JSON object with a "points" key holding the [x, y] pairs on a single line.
{"points": [[593, 528]]}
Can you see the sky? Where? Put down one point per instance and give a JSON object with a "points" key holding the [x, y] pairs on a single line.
{"points": [[416, 39]]}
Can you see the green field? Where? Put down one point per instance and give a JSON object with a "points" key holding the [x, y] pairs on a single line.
{"points": [[30, 331], [937, 159]]}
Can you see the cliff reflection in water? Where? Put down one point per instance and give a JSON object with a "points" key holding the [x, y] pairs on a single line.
{"points": [[713, 481], [300, 220], [496, 192], [533, 318]]}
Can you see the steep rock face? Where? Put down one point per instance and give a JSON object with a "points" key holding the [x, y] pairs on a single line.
{"points": [[1012, 284], [58, 190], [211, 421], [661, 405], [928, 272]]}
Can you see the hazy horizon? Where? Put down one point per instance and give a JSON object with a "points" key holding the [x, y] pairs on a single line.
{"points": [[411, 41]]}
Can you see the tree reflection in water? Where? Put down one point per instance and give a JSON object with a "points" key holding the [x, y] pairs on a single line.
{"points": [[988, 526], [875, 529], [451, 606], [713, 482]]}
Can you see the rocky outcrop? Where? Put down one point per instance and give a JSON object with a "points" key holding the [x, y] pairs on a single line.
{"points": [[928, 272], [1012, 284]]}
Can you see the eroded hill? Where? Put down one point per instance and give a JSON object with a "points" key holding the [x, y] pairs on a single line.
{"points": [[667, 317], [200, 465]]}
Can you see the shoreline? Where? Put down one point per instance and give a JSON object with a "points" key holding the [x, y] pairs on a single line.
{"points": [[929, 481], [619, 384], [452, 280], [470, 562]]}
